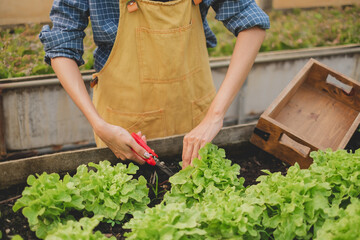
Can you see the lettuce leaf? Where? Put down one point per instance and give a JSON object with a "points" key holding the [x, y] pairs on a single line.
{"points": [[213, 169], [78, 230]]}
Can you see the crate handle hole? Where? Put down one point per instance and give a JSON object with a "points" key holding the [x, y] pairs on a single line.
{"points": [[337, 83], [294, 145]]}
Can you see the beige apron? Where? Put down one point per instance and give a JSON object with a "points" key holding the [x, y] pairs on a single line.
{"points": [[157, 79]]}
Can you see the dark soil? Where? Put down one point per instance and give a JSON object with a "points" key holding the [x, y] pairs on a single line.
{"points": [[251, 159]]}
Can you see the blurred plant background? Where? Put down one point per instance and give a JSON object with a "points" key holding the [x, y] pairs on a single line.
{"points": [[22, 54]]}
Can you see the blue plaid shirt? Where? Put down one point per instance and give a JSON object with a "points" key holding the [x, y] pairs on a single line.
{"points": [[71, 17]]}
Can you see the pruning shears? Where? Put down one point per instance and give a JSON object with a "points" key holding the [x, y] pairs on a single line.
{"points": [[153, 158]]}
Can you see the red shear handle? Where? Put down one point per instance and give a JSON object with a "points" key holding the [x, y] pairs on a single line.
{"points": [[149, 160]]}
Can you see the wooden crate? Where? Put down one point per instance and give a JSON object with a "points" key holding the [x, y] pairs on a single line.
{"points": [[319, 109]]}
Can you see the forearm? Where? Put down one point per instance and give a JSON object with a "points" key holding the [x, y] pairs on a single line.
{"points": [[70, 77], [115, 137], [246, 48]]}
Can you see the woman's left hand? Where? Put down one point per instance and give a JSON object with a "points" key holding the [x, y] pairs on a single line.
{"points": [[198, 137], [246, 48]]}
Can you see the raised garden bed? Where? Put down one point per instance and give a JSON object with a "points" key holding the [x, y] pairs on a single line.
{"points": [[251, 159]]}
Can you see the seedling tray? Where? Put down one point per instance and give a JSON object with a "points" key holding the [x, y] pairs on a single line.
{"points": [[319, 109]]}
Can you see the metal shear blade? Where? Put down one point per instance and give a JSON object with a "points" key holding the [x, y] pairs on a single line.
{"points": [[163, 167], [153, 159]]}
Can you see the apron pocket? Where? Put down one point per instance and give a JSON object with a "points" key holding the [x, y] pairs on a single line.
{"points": [[200, 107], [151, 123], [167, 55]]}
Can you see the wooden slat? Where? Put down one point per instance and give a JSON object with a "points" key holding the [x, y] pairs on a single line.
{"points": [[286, 152], [283, 4], [317, 78], [285, 95], [350, 132], [16, 171], [2, 129]]}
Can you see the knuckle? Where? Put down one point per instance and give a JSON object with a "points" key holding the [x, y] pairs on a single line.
{"points": [[130, 156], [191, 139], [128, 141], [127, 156]]}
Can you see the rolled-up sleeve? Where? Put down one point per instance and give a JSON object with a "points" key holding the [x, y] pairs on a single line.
{"points": [[65, 38], [239, 15]]}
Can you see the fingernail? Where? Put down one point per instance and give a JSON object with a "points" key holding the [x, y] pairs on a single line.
{"points": [[147, 155]]}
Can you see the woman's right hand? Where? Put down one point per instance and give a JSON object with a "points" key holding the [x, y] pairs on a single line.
{"points": [[116, 138], [121, 142]]}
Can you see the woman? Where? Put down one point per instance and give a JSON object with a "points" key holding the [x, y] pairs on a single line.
{"points": [[152, 66]]}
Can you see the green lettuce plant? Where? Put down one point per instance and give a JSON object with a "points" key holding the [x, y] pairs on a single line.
{"points": [[294, 206], [78, 230], [171, 221], [109, 191], [213, 169], [47, 202], [225, 214], [343, 227], [342, 171]]}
